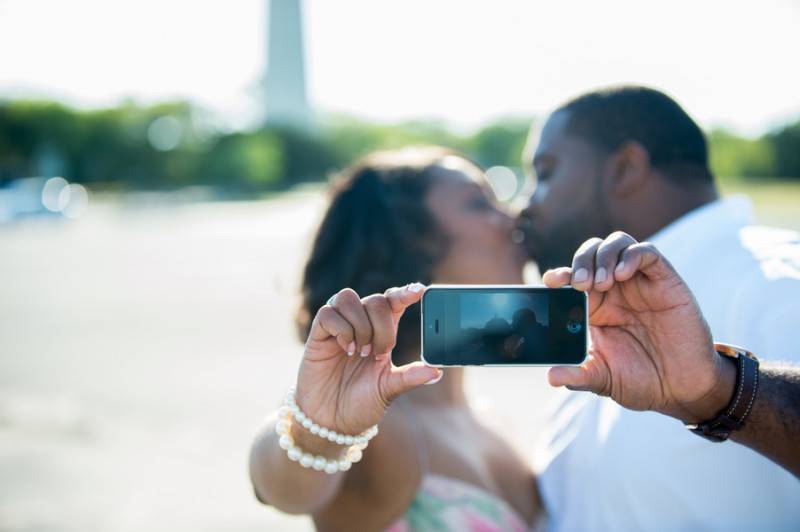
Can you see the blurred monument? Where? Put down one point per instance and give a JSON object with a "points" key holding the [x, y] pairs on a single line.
{"points": [[285, 83]]}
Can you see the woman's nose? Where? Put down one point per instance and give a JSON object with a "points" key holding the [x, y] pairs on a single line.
{"points": [[504, 221]]}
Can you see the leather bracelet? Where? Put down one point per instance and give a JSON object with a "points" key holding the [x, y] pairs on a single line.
{"points": [[733, 416]]}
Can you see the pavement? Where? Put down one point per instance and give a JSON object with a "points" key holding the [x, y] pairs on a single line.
{"points": [[140, 345]]}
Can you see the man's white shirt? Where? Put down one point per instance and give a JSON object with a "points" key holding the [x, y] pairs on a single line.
{"points": [[602, 467]]}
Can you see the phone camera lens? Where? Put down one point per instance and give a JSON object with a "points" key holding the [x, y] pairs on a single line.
{"points": [[574, 326]]}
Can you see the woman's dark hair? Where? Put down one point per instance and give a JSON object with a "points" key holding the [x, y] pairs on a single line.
{"points": [[377, 233]]}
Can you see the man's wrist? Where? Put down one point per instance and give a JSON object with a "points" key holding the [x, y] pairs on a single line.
{"points": [[720, 395]]}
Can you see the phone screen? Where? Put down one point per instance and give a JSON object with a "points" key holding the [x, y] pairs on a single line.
{"points": [[502, 325]]}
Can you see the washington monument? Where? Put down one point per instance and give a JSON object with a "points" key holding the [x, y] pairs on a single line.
{"points": [[285, 83]]}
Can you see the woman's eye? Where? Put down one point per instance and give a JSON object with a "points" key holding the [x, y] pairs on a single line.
{"points": [[480, 204]]}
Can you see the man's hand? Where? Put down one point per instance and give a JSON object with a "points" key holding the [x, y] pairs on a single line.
{"points": [[651, 348]]}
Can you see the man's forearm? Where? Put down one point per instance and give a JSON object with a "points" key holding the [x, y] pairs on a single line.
{"points": [[773, 428]]}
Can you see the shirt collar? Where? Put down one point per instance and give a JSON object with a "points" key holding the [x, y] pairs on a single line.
{"points": [[699, 226]]}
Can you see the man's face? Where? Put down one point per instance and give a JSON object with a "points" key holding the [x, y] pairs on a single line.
{"points": [[567, 206]]}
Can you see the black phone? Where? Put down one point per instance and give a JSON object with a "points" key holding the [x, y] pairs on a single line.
{"points": [[503, 325]]}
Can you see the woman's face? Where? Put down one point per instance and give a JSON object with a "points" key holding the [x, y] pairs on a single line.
{"points": [[480, 249]]}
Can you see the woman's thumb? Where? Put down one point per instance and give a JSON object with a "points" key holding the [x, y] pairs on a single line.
{"points": [[408, 377]]}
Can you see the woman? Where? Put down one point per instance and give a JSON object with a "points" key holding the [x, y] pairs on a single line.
{"points": [[421, 214]]}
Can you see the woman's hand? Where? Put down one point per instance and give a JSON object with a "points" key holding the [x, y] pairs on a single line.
{"points": [[651, 348], [347, 379]]}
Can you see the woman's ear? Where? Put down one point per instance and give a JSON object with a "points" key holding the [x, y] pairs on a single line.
{"points": [[627, 169]]}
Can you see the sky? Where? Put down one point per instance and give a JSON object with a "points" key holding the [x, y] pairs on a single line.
{"points": [[730, 63], [478, 308]]}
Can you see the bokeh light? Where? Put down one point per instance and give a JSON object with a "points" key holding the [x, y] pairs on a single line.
{"points": [[504, 182], [77, 200], [69, 199], [52, 194], [165, 133]]}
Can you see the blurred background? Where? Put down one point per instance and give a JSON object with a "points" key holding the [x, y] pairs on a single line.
{"points": [[163, 167]]}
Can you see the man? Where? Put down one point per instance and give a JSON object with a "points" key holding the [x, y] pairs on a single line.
{"points": [[653, 351], [631, 159]]}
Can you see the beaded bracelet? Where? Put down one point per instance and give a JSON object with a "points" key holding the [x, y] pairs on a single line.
{"points": [[323, 432], [356, 444]]}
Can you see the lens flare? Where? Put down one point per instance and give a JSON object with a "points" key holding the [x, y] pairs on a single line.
{"points": [[165, 133], [504, 182], [52, 193], [77, 201]]}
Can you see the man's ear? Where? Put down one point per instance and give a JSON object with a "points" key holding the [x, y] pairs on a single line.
{"points": [[627, 169]]}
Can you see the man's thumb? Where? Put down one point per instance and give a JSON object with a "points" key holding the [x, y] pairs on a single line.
{"points": [[585, 378]]}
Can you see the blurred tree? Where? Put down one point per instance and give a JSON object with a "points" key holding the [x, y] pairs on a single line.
{"points": [[251, 161], [307, 156], [172, 145], [732, 156], [350, 138], [26, 128], [500, 143], [786, 145]]}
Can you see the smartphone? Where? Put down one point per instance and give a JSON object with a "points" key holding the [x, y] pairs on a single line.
{"points": [[503, 325]]}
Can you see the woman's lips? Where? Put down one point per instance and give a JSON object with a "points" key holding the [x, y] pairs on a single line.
{"points": [[524, 236], [518, 249], [521, 255]]}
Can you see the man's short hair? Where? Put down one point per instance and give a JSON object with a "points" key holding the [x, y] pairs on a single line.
{"points": [[608, 118]]}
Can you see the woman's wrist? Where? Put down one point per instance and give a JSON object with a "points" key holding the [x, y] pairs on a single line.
{"points": [[312, 443], [318, 440]]}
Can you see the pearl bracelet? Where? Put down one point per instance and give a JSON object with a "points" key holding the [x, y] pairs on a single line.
{"points": [[323, 432], [319, 463]]}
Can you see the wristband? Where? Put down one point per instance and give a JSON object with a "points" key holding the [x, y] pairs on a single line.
{"points": [[733, 416]]}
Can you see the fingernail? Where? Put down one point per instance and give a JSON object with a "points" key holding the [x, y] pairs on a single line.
{"points": [[416, 287], [600, 275], [351, 349], [436, 379], [366, 350], [580, 276], [620, 266], [573, 388]]}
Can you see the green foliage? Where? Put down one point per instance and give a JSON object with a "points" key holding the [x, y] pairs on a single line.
{"points": [[306, 156], [500, 143], [253, 161], [786, 146], [168, 146], [733, 156], [774, 155], [108, 145], [350, 139]]}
